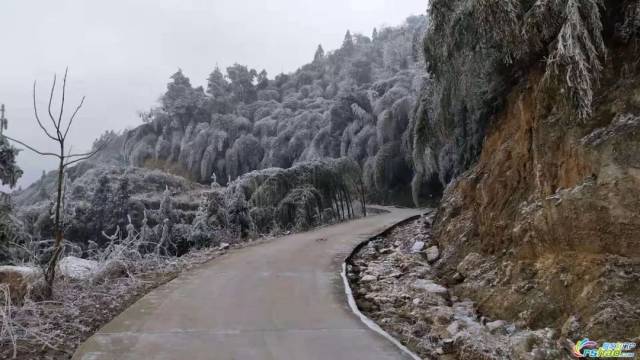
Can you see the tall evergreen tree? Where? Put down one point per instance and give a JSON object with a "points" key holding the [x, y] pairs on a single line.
{"points": [[9, 175], [217, 85], [181, 99], [9, 171], [319, 54], [263, 80], [241, 86], [348, 46]]}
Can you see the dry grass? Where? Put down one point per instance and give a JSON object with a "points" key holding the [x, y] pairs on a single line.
{"points": [[54, 329]]}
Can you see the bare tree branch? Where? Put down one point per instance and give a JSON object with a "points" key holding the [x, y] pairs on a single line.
{"points": [[87, 153], [53, 120], [35, 111], [73, 117], [31, 148], [64, 93], [85, 156], [82, 158]]}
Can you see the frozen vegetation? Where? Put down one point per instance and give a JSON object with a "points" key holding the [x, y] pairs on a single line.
{"points": [[520, 115], [248, 154], [208, 169]]}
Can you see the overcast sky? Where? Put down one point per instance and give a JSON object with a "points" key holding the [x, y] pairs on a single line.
{"points": [[122, 52]]}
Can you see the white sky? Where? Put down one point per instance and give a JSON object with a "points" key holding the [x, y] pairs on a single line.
{"points": [[122, 52]]}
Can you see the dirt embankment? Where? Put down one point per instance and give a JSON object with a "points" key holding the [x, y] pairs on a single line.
{"points": [[549, 220]]}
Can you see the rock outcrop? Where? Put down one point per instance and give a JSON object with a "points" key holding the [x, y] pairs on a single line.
{"points": [[74, 268], [546, 226], [543, 228]]}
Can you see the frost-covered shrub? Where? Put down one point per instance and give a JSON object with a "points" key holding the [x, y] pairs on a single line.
{"points": [[291, 192], [240, 220], [263, 218], [302, 207], [217, 216]]}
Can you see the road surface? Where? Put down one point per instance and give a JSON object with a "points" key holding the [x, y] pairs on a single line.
{"points": [[281, 300]]}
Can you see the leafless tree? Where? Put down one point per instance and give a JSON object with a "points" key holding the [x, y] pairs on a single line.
{"points": [[65, 158]]}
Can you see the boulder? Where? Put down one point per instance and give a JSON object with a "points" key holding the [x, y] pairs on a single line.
{"points": [[74, 268], [570, 328], [470, 263], [417, 247], [22, 281], [454, 328], [497, 327], [224, 246], [111, 269], [521, 344], [368, 278], [457, 278], [433, 254], [429, 286]]}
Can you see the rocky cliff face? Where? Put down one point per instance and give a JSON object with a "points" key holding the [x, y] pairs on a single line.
{"points": [[544, 228]]}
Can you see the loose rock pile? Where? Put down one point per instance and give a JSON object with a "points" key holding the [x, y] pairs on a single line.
{"points": [[394, 284]]}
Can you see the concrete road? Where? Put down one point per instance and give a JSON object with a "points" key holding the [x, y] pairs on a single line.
{"points": [[282, 300]]}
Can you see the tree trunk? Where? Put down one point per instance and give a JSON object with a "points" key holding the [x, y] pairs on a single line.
{"points": [[347, 199], [50, 273], [362, 197], [341, 204], [335, 201]]}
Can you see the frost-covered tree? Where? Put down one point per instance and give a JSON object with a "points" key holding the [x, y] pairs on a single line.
{"points": [[43, 193], [245, 155], [9, 175], [241, 83], [99, 210], [361, 71], [348, 46], [319, 56], [248, 122], [217, 85], [576, 53], [239, 215], [120, 205], [166, 211], [262, 80], [201, 233], [182, 100], [9, 170]]}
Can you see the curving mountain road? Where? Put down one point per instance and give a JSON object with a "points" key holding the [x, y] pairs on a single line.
{"points": [[282, 300]]}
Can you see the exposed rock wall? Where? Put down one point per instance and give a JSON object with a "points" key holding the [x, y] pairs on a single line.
{"points": [[539, 223], [550, 213]]}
